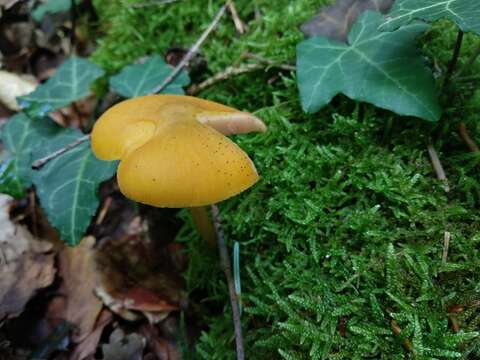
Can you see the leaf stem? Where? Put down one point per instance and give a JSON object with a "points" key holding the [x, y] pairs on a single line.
{"points": [[454, 60], [227, 269]]}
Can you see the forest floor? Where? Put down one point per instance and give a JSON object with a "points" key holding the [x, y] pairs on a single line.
{"points": [[349, 245]]}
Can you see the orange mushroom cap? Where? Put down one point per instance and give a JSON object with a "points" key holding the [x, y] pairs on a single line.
{"points": [[171, 153]]}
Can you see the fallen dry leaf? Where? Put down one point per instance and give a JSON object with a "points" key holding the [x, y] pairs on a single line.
{"points": [[124, 347], [133, 281], [12, 86], [79, 279], [335, 21], [26, 264]]}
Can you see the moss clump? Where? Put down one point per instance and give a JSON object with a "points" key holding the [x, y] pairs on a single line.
{"points": [[346, 225], [343, 235]]}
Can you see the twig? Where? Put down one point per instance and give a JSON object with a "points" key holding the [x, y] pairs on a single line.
{"points": [[446, 245], [228, 73], [239, 25], [192, 51], [454, 59], [462, 130], [233, 71], [225, 262], [437, 166], [37, 164], [153, 3], [268, 61]]}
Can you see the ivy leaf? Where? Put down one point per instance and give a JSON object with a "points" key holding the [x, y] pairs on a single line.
{"points": [[334, 21], [141, 79], [9, 183], [20, 135], [51, 7], [384, 69], [71, 82], [465, 13], [67, 185]]}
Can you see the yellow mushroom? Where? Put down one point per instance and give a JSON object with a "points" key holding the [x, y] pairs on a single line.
{"points": [[173, 150]]}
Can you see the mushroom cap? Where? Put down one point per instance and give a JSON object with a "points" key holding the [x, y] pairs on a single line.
{"points": [[169, 156]]}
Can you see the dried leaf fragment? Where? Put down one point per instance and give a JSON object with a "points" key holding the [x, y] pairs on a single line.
{"points": [[334, 21], [25, 264], [12, 86], [78, 271]]}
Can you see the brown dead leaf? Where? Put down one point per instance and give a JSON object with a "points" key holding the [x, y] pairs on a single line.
{"points": [[78, 271], [335, 21], [26, 264], [133, 281], [12, 86]]}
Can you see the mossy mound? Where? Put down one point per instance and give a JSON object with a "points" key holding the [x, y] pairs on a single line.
{"points": [[341, 242]]}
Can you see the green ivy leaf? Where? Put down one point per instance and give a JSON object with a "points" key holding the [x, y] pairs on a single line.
{"points": [[20, 136], [67, 186], [382, 68], [71, 82], [51, 7], [142, 79], [465, 13], [9, 183]]}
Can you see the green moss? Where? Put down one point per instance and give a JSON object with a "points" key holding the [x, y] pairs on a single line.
{"points": [[348, 221], [345, 224]]}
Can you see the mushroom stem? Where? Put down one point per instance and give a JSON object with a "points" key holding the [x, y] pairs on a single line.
{"points": [[204, 225]]}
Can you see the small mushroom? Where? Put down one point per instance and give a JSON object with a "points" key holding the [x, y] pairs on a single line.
{"points": [[174, 153]]}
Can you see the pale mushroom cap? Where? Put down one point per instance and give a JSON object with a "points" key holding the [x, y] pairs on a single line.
{"points": [[169, 158]]}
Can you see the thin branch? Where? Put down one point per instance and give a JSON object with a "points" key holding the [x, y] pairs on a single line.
{"points": [[233, 71], [192, 51], [437, 166], [38, 164], [462, 130], [226, 74], [263, 60], [153, 3], [227, 268], [454, 59], [239, 25]]}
